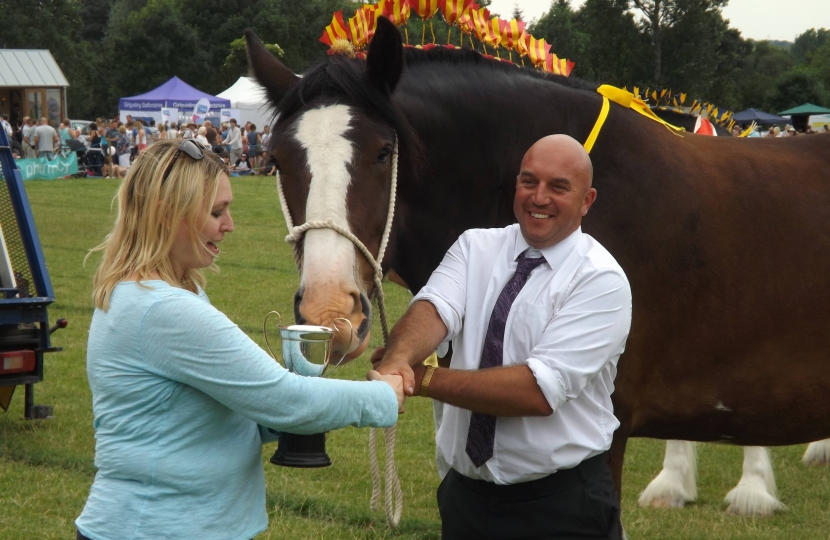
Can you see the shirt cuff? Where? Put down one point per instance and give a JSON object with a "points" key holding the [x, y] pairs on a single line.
{"points": [[444, 310], [549, 382]]}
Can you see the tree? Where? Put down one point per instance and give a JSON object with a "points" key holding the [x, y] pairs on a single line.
{"points": [[797, 87], [808, 43], [613, 48], [559, 28], [661, 15]]}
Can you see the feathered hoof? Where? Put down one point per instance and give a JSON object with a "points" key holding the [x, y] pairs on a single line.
{"points": [[817, 454], [751, 499], [665, 502]]}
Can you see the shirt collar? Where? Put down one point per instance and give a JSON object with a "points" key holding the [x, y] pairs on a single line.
{"points": [[554, 255]]}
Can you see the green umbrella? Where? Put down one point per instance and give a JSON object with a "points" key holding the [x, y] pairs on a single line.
{"points": [[806, 109]]}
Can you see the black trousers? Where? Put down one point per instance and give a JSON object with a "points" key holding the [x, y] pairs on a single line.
{"points": [[578, 503]]}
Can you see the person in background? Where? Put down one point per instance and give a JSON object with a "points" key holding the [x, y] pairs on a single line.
{"points": [[183, 400], [141, 137], [234, 141], [201, 137], [64, 133], [243, 165], [268, 165], [94, 154], [27, 136], [265, 136], [162, 132], [122, 148], [254, 143], [45, 140], [211, 135], [111, 135]]}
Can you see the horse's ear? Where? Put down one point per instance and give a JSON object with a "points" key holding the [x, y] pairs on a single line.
{"points": [[384, 61], [267, 70]]}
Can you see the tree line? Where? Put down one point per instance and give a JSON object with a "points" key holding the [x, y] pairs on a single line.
{"points": [[110, 49]]}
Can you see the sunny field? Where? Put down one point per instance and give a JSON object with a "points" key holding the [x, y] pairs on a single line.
{"points": [[46, 467]]}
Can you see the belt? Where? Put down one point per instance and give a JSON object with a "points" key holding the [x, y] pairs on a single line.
{"points": [[558, 481]]}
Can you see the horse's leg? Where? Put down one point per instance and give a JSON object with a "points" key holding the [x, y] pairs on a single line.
{"points": [[755, 494], [818, 453], [677, 482]]}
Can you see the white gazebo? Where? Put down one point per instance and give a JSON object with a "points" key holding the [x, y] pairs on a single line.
{"points": [[248, 97]]}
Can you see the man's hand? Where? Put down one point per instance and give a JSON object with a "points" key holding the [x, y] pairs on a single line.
{"points": [[411, 375], [395, 381]]}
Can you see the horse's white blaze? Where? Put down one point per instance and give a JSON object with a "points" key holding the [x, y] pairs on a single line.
{"points": [[755, 494], [677, 482], [328, 257]]}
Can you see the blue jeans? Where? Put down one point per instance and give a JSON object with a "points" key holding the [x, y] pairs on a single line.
{"points": [[47, 154]]}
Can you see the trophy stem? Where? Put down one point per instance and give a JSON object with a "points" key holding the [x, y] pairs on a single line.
{"points": [[301, 451]]}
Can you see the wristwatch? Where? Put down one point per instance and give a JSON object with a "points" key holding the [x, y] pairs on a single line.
{"points": [[425, 381]]}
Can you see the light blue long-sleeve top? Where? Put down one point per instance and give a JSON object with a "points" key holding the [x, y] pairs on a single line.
{"points": [[180, 396]]}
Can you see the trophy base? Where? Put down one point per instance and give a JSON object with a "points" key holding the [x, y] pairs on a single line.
{"points": [[301, 451]]}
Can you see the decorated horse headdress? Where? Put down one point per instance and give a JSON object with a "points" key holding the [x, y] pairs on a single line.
{"points": [[352, 36]]}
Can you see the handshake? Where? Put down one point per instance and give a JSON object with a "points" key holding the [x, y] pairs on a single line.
{"points": [[404, 379]]}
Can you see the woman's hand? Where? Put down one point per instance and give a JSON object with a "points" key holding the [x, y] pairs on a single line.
{"points": [[395, 381]]}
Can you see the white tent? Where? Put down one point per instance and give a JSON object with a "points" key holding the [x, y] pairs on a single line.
{"points": [[248, 97]]}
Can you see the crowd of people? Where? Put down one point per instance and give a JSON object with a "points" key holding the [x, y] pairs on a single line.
{"points": [[775, 131], [107, 148]]}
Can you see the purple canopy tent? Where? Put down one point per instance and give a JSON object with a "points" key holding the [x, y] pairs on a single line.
{"points": [[174, 93]]}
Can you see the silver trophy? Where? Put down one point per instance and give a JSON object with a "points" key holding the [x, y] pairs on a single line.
{"points": [[306, 351]]}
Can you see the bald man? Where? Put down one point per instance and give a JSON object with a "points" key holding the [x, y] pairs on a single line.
{"points": [[538, 314]]}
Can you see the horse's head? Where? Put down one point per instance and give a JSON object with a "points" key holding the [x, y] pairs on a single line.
{"points": [[333, 140]]}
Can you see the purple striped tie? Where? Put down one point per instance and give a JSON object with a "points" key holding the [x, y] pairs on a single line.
{"points": [[482, 431]]}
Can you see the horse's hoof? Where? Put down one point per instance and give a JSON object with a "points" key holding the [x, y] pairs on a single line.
{"points": [[667, 502], [817, 454], [750, 499]]}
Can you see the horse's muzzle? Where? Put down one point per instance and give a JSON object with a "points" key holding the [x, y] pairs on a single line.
{"points": [[323, 315]]}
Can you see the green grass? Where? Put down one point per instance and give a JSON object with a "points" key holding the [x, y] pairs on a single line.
{"points": [[46, 467]]}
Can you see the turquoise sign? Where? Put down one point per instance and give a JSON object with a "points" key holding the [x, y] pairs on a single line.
{"points": [[44, 169]]}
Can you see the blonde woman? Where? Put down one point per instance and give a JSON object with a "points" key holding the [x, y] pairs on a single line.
{"points": [[162, 135], [141, 137], [182, 399]]}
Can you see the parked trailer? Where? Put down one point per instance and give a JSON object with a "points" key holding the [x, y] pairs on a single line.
{"points": [[25, 292]]}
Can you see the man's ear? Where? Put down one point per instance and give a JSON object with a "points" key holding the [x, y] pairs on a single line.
{"points": [[384, 61], [589, 199]]}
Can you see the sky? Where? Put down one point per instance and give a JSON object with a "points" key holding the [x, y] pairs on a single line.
{"points": [[757, 19]]}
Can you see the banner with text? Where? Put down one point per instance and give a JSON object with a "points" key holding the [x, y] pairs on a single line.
{"points": [[43, 169]]}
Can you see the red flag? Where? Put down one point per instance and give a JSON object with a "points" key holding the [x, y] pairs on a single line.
{"points": [[511, 33], [336, 30], [424, 8]]}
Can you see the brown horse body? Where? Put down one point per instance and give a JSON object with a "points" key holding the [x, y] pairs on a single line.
{"points": [[725, 241]]}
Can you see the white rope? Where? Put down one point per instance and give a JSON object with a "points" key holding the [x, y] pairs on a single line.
{"points": [[394, 495]]}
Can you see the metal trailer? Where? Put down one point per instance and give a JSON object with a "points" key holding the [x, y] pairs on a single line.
{"points": [[25, 292]]}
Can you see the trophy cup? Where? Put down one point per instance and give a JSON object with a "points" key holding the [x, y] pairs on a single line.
{"points": [[306, 351]]}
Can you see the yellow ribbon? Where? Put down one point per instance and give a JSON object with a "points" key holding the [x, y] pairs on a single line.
{"points": [[628, 100], [603, 114]]}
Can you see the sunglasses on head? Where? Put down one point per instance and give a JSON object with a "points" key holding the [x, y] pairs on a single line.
{"points": [[188, 146]]}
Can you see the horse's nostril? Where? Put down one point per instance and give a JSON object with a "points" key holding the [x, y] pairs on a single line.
{"points": [[298, 299]]}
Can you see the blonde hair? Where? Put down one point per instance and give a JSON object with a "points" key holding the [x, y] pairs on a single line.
{"points": [[150, 210]]}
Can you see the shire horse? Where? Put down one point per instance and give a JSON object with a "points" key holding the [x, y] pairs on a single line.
{"points": [[727, 258]]}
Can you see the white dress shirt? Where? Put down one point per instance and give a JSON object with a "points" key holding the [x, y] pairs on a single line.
{"points": [[568, 325]]}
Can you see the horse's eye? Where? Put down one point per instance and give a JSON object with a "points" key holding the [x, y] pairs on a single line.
{"points": [[384, 155]]}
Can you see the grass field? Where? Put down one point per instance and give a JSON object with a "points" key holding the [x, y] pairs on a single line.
{"points": [[46, 467]]}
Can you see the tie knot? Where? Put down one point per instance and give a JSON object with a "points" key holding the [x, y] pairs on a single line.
{"points": [[526, 264]]}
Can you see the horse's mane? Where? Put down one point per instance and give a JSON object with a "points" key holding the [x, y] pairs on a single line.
{"points": [[467, 57], [344, 77]]}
